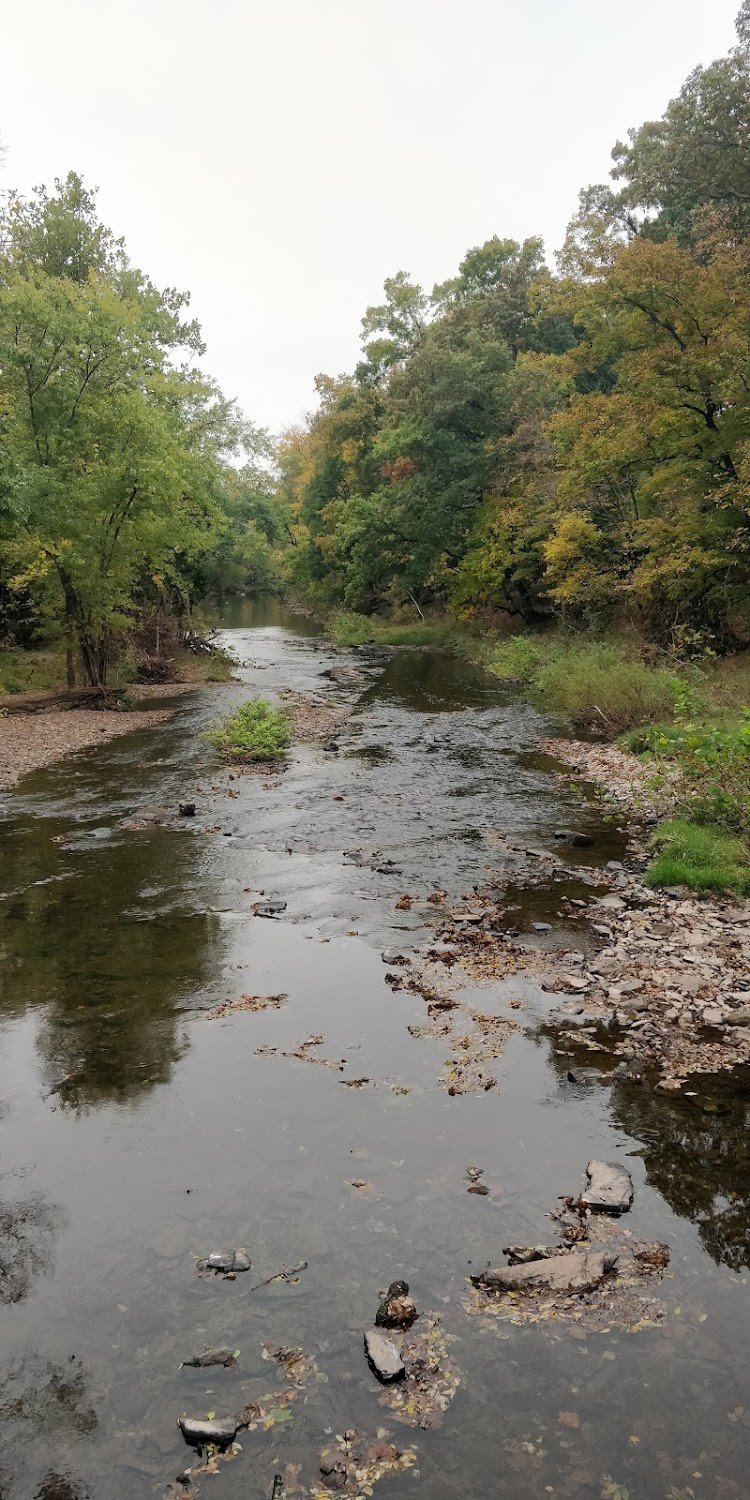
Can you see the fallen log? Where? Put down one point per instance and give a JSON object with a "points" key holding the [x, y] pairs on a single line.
{"points": [[88, 697]]}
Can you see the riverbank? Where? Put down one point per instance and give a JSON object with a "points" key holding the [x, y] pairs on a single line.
{"points": [[29, 741]]}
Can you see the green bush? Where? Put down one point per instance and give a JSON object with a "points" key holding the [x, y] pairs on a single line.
{"points": [[715, 766], [705, 859], [597, 684], [347, 628], [255, 732]]}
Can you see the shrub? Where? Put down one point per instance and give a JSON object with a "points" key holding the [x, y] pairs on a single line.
{"points": [[715, 766], [705, 859], [350, 629], [255, 732], [597, 684]]}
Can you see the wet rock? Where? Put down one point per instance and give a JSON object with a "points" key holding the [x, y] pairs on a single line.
{"points": [[198, 1431], [586, 1075], [383, 1356], [581, 1271], [152, 814], [610, 1188], [525, 1255], [573, 839], [479, 1188], [269, 908], [397, 1310], [541, 926], [187, 809], [225, 1262], [208, 1357], [331, 748], [393, 956]]}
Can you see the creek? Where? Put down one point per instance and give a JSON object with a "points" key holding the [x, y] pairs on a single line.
{"points": [[137, 1135]]}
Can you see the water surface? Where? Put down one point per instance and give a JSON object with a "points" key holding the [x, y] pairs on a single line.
{"points": [[136, 1135]]}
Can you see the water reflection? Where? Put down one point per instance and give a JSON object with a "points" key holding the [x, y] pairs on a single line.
{"points": [[697, 1156], [105, 939], [27, 1228], [436, 682], [696, 1144]]}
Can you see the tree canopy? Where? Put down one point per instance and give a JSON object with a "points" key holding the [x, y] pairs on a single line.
{"points": [[560, 443]]}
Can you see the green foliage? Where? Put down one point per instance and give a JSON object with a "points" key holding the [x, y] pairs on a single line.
{"points": [[256, 732], [350, 629], [113, 442], [715, 767], [704, 859], [597, 684], [573, 446]]}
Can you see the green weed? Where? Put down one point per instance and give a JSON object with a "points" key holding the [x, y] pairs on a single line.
{"points": [[255, 732], [597, 684]]}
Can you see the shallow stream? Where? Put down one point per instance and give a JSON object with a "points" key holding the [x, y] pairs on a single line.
{"points": [[137, 1135]]}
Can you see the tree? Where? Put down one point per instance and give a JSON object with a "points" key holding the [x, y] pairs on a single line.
{"points": [[698, 153], [112, 444]]}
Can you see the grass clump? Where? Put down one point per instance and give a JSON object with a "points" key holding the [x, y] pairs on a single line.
{"points": [[597, 684], [255, 732], [347, 628], [704, 859]]}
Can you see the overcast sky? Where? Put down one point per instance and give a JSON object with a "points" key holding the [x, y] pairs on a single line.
{"points": [[279, 159]]}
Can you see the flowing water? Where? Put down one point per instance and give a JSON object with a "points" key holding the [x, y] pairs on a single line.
{"points": [[136, 1134]]}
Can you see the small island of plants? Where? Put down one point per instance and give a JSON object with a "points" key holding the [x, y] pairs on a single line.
{"points": [[256, 732]]}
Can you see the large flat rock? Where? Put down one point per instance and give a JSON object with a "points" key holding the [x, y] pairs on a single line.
{"points": [[580, 1271], [610, 1188]]}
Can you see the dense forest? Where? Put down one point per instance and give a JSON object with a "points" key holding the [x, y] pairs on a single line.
{"points": [[570, 443], [129, 486], [559, 444]]}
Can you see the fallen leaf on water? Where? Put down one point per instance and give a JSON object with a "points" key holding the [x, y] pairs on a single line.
{"points": [[569, 1418]]}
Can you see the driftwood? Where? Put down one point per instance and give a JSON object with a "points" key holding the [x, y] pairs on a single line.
{"points": [[88, 697], [285, 1274], [580, 1271]]}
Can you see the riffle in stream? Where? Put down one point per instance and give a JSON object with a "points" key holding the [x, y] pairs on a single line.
{"points": [[137, 1134]]}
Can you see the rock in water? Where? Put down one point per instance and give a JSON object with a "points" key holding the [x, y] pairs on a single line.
{"points": [[586, 1075], [610, 1188], [225, 1262], [579, 1272], [187, 809], [211, 1357], [384, 1358], [198, 1431], [397, 1310], [523, 1255]]}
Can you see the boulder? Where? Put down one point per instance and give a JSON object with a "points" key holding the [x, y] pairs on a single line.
{"points": [[198, 1431], [610, 1188], [384, 1357]]}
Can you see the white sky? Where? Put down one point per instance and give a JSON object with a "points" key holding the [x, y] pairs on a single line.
{"points": [[279, 159]]}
